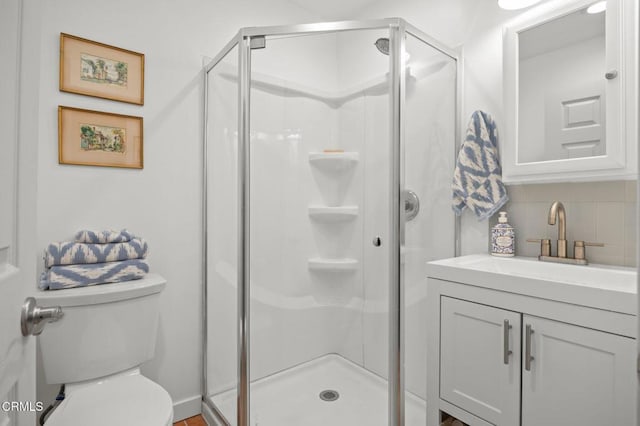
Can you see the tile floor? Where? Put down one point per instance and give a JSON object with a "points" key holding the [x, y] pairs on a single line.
{"points": [[191, 421]]}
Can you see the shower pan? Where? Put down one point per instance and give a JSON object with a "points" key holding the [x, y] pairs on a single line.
{"points": [[328, 156]]}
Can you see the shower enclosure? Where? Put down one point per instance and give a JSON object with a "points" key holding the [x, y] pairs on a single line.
{"points": [[329, 152]]}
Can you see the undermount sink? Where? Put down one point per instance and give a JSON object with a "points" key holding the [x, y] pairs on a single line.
{"points": [[605, 287]]}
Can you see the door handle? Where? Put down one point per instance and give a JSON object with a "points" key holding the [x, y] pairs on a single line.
{"points": [[527, 347], [505, 342], [33, 318]]}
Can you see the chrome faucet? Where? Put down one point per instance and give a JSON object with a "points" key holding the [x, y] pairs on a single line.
{"points": [[557, 210]]}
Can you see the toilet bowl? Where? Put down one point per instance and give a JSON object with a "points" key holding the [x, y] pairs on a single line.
{"points": [[96, 348]]}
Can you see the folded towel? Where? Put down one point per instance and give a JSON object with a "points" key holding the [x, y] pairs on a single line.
{"points": [[477, 179], [59, 277], [69, 253], [103, 237]]}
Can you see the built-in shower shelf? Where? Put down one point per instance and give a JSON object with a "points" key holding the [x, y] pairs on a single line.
{"points": [[332, 265], [334, 160], [333, 214]]}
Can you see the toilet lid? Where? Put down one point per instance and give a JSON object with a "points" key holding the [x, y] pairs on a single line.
{"points": [[125, 400]]}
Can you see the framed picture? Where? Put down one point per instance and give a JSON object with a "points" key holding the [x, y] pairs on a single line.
{"points": [[95, 69], [93, 138]]}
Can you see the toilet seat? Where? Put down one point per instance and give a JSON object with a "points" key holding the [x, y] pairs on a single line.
{"points": [[129, 399]]}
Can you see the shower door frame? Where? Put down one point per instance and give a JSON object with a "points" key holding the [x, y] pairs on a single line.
{"points": [[398, 28]]}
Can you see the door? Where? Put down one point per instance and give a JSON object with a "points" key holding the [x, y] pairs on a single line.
{"points": [[576, 375], [17, 228], [318, 235], [480, 360]]}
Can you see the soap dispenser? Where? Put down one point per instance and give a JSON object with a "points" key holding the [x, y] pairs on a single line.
{"points": [[503, 238]]}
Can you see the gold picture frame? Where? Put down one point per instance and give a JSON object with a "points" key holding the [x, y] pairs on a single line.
{"points": [[96, 69], [94, 138]]}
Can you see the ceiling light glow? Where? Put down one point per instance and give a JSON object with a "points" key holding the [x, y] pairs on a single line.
{"points": [[598, 7], [516, 4]]}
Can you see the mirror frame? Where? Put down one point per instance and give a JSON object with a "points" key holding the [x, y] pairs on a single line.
{"points": [[620, 160]]}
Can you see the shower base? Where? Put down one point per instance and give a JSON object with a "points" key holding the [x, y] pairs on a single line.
{"points": [[292, 397]]}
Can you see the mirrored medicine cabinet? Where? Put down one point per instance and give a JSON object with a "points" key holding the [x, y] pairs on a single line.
{"points": [[571, 93]]}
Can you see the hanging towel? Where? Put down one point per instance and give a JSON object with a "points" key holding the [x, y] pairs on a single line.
{"points": [[103, 237], [59, 277], [477, 179], [68, 253]]}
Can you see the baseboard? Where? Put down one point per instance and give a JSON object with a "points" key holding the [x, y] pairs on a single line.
{"points": [[187, 407], [210, 416]]}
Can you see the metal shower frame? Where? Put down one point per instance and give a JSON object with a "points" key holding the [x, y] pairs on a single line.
{"points": [[245, 39]]}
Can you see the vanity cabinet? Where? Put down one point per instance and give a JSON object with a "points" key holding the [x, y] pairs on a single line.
{"points": [[577, 376], [473, 372], [509, 368], [518, 342]]}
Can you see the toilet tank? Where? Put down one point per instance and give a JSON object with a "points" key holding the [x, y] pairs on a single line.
{"points": [[105, 329]]}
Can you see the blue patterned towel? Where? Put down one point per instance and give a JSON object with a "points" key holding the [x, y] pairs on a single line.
{"points": [[477, 179], [103, 237], [69, 253], [59, 277]]}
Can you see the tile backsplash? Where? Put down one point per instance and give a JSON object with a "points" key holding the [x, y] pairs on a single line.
{"points": [[603, 212]]}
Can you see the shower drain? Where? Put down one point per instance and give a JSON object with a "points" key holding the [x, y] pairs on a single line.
{"points": [[329, 395]]}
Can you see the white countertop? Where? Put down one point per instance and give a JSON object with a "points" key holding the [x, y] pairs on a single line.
{"points": [[599, 286]]}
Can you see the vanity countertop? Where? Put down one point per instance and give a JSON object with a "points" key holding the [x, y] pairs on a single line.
{"points": [[599, 286]]}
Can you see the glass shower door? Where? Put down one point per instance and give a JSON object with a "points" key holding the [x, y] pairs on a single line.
{"points": [[221, 224], [428, 147], [319, 168]]}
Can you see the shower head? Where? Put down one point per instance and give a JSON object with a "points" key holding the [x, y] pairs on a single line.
{"points": [[383, 45]]}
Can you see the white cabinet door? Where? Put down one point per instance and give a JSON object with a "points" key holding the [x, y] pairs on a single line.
{"points": [[475, 373], [578, 376]]}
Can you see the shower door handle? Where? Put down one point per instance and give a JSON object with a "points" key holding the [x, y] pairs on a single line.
{"points": [[411, 204]]}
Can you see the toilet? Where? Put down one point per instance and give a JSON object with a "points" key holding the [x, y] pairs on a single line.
{"points": [[96, 350]]}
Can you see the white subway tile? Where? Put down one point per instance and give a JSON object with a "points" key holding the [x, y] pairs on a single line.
{"points": [[596, 191], [610, 254], [581, 221], [610, 223], [630, 253], [631, 194]]}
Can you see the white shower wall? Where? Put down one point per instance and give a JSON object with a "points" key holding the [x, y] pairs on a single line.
{"points": [[296, 314]]}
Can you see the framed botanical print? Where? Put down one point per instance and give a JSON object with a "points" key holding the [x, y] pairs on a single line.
{"points": [[95, 69]]}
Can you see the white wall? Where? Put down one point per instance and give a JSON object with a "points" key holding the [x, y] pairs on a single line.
{"points": [[475, 26], [161, 203]]}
